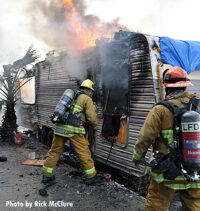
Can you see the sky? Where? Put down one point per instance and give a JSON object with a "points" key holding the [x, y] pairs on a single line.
{"points": [[174, 18], [26, 22]]}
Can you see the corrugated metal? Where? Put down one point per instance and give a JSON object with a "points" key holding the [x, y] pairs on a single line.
{"points": [[142, 98], [52, 80]]}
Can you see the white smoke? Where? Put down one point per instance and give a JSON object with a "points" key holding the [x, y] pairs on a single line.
{"points": [[16, 30], [177, 19], [42, 22]]}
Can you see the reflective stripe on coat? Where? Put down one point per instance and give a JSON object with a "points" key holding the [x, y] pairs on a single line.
{"points": [[158, 130], [84, 109]]}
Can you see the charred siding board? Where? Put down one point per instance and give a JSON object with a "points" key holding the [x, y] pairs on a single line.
{"points": [[52, 81], [141, 100]]}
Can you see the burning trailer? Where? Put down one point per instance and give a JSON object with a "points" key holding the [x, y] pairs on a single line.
{"points": [[127, 72]]}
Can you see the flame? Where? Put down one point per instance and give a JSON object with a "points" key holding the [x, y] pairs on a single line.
{"points": [[67, 3], [84, 35], [27, 93]]}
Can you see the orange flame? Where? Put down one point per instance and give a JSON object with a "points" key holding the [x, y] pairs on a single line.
{"points": [[67, 3], [84, 35]]}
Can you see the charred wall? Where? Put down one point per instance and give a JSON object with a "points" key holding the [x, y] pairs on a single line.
{"points": [[115, 84], [123, 76], [141, 99]]}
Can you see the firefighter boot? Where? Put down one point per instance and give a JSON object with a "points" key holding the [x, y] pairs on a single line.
{"points": [[94, 181], [46, 179]]}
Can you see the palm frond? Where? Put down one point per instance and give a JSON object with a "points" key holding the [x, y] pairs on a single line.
{"points": [[30, 57], [5, 94]]}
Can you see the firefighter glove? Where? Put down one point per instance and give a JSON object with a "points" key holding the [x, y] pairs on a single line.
{"points": [[137, 158]]}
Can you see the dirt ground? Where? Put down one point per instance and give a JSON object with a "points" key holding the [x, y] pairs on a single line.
{"points": [[19, 186]]}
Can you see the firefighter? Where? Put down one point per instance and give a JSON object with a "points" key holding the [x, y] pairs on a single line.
{"points": [[157, 127], [86, 111]]}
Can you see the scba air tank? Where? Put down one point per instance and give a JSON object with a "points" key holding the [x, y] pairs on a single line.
{"points": [[190, 133], [64, 103]]}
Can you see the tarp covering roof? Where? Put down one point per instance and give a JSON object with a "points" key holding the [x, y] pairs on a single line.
{"points": [[185, 54]]}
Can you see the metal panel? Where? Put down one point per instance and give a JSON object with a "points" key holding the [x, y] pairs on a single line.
{"points": [[142, 98], [53, 78], [52, 81]]}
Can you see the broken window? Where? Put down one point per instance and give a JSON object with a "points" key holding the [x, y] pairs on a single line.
{"points": [[27, 91]]}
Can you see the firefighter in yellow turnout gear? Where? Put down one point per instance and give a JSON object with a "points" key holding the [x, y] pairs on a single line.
{"points": [[85, 110], [157, 127]]}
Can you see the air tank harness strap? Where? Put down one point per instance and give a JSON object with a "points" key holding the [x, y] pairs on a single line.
{"points": [[73, 119]]}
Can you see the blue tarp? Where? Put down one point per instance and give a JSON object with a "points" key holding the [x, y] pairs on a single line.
{"points": [[185, 54]]}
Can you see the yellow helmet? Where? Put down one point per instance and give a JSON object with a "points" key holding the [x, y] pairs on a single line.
{"points": [[88, 84]]}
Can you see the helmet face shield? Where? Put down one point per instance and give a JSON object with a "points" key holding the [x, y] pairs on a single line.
{"points": [[176, 77]]}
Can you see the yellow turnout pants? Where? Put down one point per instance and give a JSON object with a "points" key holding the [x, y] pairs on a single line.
{"points": [[80, 145], [159, 198]]}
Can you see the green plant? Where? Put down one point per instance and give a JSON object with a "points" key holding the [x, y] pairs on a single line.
{"points": [[14, 77]]}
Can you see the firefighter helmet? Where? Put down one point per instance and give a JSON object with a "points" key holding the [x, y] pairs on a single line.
{"points": [[176, 77], [88, 84]]}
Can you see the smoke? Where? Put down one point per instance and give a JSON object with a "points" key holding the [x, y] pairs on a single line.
{"points": [[75, 66], [16, 30], [42, 23], [114, 59], [46, 21], [50, 22], [173, 18]]}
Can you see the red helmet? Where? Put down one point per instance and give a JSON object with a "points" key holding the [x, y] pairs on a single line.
{"points": [[176, 77]]}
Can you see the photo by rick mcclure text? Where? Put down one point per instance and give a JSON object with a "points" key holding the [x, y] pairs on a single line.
{"points": [[39, 204]]}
